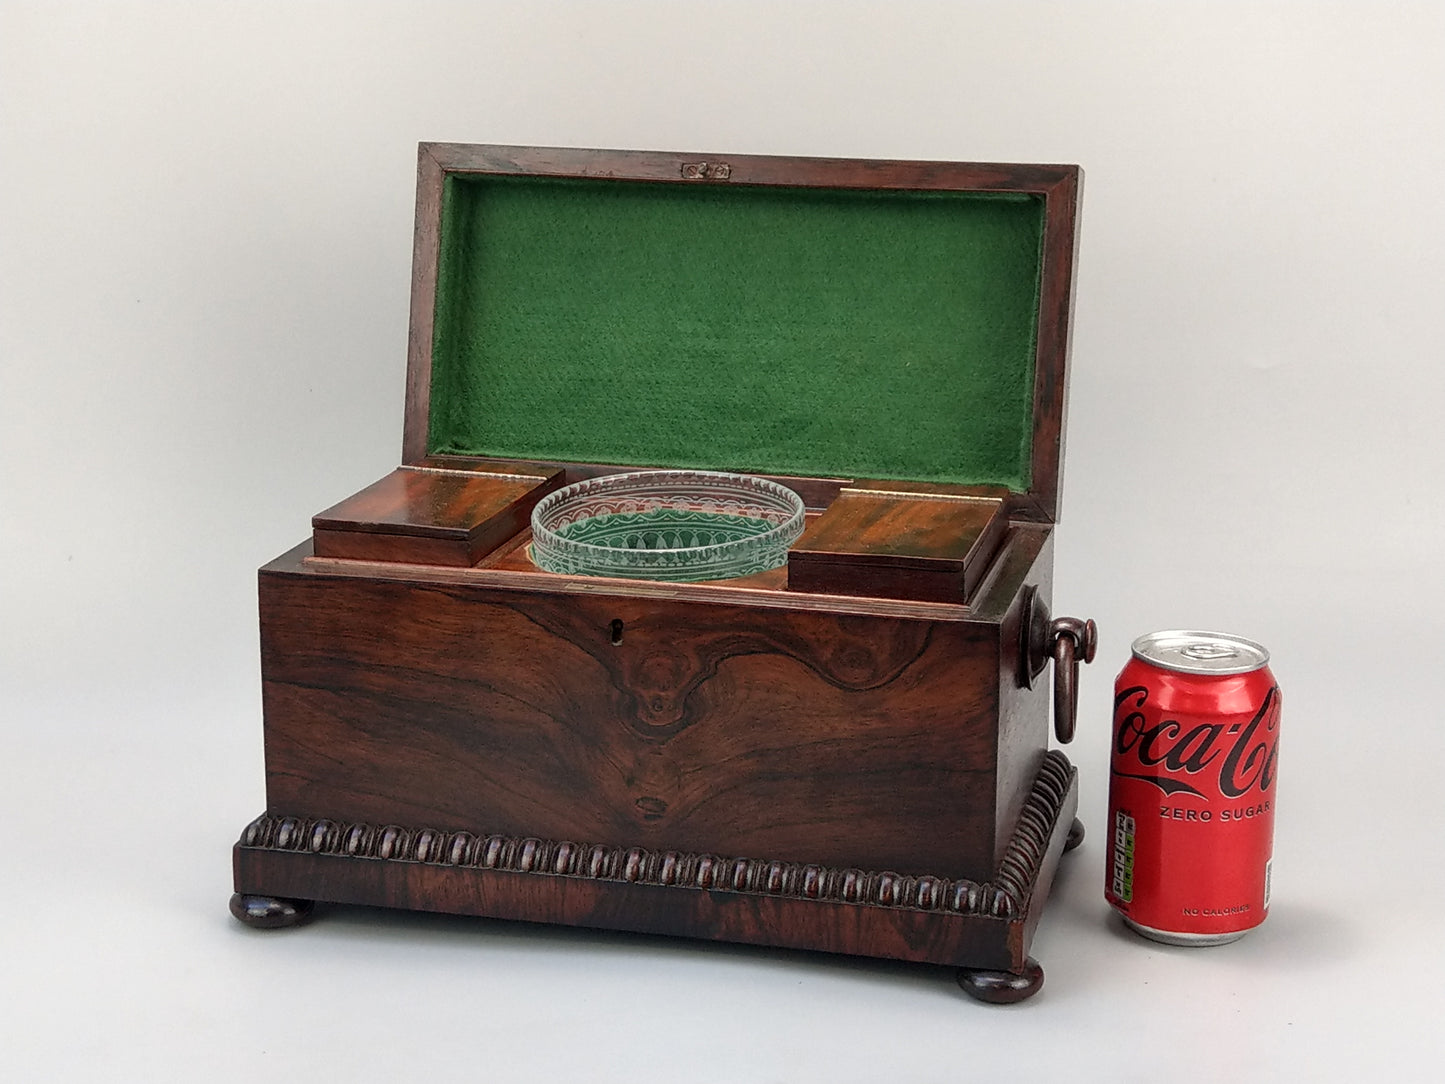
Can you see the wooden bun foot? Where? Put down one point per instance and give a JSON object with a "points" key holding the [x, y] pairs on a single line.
{"points": [[1075, 836], [270, 913], [1002, 987]]}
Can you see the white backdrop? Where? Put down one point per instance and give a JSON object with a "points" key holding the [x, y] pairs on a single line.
{"points": [[205, 235]]}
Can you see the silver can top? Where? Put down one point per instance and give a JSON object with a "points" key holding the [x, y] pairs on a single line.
{"points": [[1192, 652]]}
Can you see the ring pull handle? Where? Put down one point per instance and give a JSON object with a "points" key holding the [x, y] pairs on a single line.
{"points": [[1075, 641], [1069, 642]]}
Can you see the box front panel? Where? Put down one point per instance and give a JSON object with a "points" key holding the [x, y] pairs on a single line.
{"points": [[846, 741]]}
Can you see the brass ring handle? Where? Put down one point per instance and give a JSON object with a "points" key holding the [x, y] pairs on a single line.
{"points": [[1069, 642], [1066, 688], [1074, 642]]}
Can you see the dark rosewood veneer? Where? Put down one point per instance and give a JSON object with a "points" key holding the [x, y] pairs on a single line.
{"points": [[848, 754]]}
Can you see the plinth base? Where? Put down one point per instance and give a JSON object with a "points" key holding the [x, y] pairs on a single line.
{"points": [[283, 863]]}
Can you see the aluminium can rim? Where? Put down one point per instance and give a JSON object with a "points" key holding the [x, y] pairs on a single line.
{"points": [[1192, 651], [1185, 940]]}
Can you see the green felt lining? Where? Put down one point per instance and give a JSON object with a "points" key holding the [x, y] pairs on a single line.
{"points": [[791, 331]]}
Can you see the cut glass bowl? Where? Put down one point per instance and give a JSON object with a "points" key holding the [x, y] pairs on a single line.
{"points": [[678, 525]]}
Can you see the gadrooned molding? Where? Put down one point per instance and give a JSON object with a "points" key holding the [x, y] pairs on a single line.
{"points": [[1004, 896]]}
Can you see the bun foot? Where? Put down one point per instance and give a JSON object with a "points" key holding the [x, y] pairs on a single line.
{"points": [[1075, 836], [1002, 987], [270, 913]]}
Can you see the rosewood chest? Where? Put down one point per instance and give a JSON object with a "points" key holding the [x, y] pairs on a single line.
{"points": [[849, 753]]}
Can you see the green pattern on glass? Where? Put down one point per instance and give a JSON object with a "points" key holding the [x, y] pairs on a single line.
{"points": [[664, 528], [666, 525]]}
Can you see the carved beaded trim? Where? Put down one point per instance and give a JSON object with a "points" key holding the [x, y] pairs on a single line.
{"points": [[1002, 897]]}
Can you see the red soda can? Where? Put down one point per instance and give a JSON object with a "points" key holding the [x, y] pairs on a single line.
{"points": [[1191, 787]]}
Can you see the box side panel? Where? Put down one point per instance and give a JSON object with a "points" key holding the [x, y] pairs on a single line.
{"points": [[1023, 736], [844, 740]]}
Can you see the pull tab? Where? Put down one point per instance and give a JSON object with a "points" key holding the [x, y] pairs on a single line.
{"points": [[1068, 641]]}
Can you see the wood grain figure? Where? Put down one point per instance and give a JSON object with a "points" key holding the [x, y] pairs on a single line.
{"points": [[847, 754]]}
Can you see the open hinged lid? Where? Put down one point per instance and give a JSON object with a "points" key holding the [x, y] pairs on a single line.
{"points": [[779, 316]]}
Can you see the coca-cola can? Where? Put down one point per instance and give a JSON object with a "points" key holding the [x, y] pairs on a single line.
{"points": [[1192, 787]]}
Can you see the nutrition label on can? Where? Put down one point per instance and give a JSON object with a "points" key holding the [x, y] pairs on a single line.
{"points": [[1123, 872]]}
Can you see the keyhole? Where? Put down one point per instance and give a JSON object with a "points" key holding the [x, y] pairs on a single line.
{"points": [[616, 631]]}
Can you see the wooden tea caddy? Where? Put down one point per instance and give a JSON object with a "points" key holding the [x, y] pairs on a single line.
{"points": [[848, 754]]}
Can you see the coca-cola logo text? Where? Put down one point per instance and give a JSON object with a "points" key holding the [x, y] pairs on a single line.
{"points": [[1242, 754]]}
